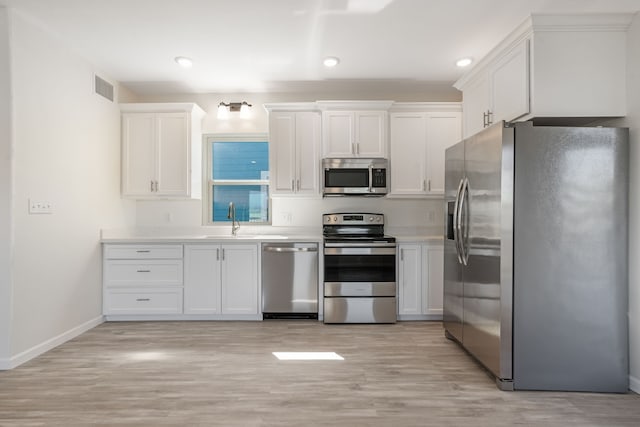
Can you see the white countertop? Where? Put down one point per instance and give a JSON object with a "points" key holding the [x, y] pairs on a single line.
{"points": [[245, 234]]}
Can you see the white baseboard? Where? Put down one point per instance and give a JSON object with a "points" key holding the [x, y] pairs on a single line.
{"points": [[634, 384], [37, 350]]}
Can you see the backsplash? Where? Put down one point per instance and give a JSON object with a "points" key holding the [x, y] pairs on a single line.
{"points": [[407, 214]]}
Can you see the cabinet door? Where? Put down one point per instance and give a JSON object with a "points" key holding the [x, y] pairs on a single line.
{"points": [[408, 146], [509, 81], [410, 279], [173, 154], [307, 153], [371, 134], [202, 279], [475, 103], [239, 279], [435, 281], [443, 130], [338, 135], [282, 140], [138, 154]]}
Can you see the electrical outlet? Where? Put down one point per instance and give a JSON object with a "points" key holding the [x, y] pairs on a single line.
{"points": [[40, 207], [286, 217]]}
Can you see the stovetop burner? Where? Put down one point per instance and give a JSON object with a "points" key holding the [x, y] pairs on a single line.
{"points": [[354, 228]]}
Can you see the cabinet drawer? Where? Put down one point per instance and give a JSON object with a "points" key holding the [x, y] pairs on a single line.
{"points": [[143, 273], [143, 301], [143, 251]]}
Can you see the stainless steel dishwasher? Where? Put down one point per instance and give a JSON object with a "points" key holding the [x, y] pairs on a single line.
{"points": [[290, 280]]}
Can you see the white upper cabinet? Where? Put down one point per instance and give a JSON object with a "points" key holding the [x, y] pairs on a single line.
{"points": [[408, 143], [419, 135], [294, 148], [444, 129], [549, 67], [354, 128], [161, 150]]}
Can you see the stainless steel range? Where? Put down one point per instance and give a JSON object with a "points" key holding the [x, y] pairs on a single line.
{"points": [[359, 269]]}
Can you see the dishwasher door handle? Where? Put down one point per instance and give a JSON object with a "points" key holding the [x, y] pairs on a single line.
{"points": [[280, 249]]}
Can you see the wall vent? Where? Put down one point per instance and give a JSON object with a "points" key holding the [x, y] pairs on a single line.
{"points": [[103, 88]]}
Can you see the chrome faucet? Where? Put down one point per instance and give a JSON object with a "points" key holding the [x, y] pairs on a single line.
{"points": [[235, 225]]}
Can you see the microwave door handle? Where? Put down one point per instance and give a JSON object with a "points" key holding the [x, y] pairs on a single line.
{"points": [[370, 178]]}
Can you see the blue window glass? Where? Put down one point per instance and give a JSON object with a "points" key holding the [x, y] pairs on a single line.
{"points": [[251, 202], [246, 163], [240, 160]]}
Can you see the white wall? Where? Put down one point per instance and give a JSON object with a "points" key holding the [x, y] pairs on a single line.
{"points": [[67, 152], [5, 188], [303, 212]]}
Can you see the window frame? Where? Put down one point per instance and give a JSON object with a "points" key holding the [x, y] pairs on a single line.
{"points": [[207, 174]]}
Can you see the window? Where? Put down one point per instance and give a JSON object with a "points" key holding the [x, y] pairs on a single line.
{"points": [[237, 171]]}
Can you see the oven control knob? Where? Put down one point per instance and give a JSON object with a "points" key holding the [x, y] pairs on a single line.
{"points": [[335, 219], [370, 218], [378, 219]]}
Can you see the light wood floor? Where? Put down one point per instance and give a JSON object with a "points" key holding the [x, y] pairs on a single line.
{"points": [[223, 374]]}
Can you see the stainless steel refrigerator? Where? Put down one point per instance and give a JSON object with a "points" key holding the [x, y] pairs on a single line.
{"points": [[535, 270]]}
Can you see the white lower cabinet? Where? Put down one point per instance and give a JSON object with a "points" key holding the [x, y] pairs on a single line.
{"points": [[410, 279], [420, 281], [212, 281], [142, 280], [135, 301], [221, 279]]}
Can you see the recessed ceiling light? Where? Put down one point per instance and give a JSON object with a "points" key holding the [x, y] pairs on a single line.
{"points": [[184, 62], [463, 62], [331, 61]]}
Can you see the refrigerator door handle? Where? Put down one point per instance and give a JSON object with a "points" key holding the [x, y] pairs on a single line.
{"points": [[456, 222], [464, 195]]}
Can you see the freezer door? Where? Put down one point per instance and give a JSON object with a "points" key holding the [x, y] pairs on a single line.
{"points": [[452, 304], [570, 262], [486, 223]]}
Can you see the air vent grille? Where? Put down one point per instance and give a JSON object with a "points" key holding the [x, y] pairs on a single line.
{"points": [[103, 88]]}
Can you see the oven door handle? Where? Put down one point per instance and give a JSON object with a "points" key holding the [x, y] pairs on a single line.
{"points": [[359, 250], [359, 245]]}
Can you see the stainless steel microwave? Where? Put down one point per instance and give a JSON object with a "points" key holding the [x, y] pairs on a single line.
{"points": [[355, 177]]}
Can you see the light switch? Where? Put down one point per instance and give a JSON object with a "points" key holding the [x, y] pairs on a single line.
{"points": [[40, 207]]}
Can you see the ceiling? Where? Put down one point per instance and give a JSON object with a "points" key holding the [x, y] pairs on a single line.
{"points": [[269, 45]]}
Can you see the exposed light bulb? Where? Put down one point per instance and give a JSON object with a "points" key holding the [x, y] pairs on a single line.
{"points": [[245, 111], [223, 111]]}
